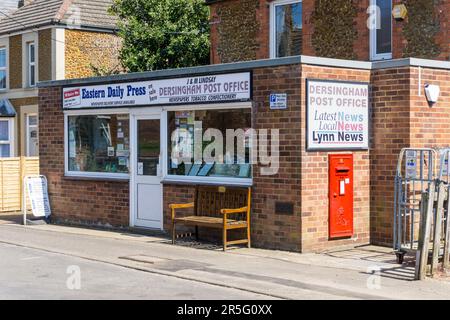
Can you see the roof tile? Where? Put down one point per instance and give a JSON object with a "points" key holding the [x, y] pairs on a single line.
{"points": [[86, 13]]}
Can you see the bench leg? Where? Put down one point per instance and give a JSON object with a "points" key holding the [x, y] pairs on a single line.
{"points": [[224, 239], [196, 233], [173, 233], [248, 238]]}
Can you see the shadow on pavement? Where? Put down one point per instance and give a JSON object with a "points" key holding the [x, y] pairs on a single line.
{"points": [[380, 256], [11, 218]]}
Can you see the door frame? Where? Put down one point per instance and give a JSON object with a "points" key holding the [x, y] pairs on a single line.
{"points": [[135, 115], [27, 131]]}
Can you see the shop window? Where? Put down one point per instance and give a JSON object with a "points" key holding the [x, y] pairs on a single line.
{"points": [[98, 144], [31, 57], [286, 28], [3, 75], [6, 138], [194, 136], [32, 143], [381, 32]]}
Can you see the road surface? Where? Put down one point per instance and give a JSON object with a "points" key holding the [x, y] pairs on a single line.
{"points": [[55, 262]]}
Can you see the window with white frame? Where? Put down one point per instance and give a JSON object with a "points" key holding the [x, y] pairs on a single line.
{"points": [[6, 138], [3, 68], [32, 143], [98, 144], [221, 139], [381, 31], [31, 61], [286, 28]]}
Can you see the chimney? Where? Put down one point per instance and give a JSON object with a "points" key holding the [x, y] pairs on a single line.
{"points": [[23, 3]]}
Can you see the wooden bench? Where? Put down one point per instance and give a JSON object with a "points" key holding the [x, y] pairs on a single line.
{"points": [[226, 208]]}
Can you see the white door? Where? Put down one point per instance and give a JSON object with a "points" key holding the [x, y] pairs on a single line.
{"points": [[147, 188], [32, 146]]}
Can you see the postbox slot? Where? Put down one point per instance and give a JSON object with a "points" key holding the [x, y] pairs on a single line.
{"points": [[342, 169]]}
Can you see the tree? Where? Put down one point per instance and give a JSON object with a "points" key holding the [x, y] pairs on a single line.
{"points": [[161, 34]]}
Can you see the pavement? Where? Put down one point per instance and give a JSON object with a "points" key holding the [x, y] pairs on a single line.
{"points": [[124, 265], [11, 218]]}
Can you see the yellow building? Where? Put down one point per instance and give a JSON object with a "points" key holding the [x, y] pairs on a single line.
{"points": [[43, 40]]}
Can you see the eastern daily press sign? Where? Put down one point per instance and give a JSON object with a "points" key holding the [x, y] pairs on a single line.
{"points": [[200, 89], [338, 115]]}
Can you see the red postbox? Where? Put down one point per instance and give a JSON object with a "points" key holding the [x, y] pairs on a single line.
{"points": [[340, 195]]}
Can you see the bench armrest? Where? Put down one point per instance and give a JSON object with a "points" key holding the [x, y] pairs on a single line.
{"points": [[175, 206], [181, 205], [229, 211]]}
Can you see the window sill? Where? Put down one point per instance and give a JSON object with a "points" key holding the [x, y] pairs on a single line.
{"points": [[95, 178], [213, 182]]}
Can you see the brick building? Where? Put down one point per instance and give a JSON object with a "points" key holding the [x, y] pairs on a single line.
{"points": [[105, 196], [42, 40], [260, 29], [108, 149]]}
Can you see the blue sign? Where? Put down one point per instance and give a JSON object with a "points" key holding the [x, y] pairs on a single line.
{"points": [[278, 101]]}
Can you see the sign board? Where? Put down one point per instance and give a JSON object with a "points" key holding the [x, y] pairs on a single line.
{"points": [[337, 115], [199, 89], [38, 195], [446, 167], [278, 101], [411, 164]]}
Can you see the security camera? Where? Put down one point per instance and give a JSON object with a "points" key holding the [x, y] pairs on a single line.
{"points": [[432, 92]]}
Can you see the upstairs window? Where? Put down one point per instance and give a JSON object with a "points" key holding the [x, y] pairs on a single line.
{"points": [[286, 28], [381, 32], [31, 59], [3, 77]]}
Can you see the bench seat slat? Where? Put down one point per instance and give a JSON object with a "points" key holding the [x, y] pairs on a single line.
{"points": [[214, 222]]}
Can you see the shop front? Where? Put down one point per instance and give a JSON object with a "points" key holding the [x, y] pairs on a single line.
{"points": [[148, 133], [316, 139]]}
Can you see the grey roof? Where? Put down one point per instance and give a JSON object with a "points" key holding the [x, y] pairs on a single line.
{"points": [[77, 13]]}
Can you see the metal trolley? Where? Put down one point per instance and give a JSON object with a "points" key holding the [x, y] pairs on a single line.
{"points": [[416, 170]]}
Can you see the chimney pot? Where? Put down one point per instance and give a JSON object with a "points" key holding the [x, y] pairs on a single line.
{"points": [[23, 3]]}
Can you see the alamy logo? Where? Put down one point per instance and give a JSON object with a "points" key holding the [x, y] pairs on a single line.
{"points": [[73, 282], [74, 19], [374, 20], [374, 280]]}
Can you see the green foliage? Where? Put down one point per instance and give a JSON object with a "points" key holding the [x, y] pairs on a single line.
{"points": [[161, 34], [104, 70], [334, 29], [421, 28]]}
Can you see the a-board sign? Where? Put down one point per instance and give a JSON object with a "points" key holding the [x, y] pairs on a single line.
{"points": [[38, 194], [337, 115]]}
